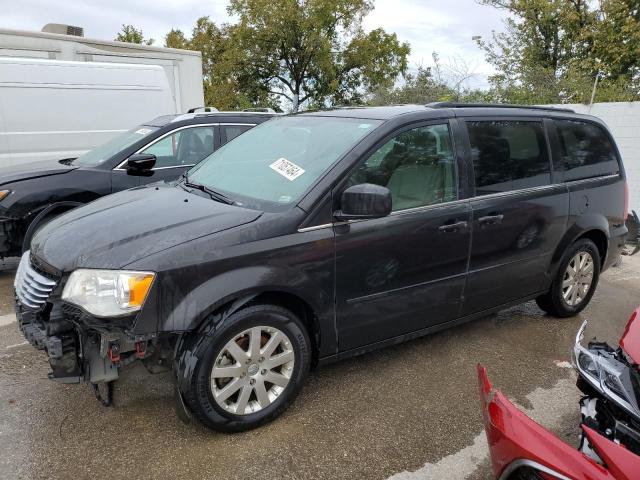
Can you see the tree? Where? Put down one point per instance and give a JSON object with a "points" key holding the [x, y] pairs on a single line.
{"points": [[314, 51], [176, 39], [130, 34], [419, 87], [615, 52], [226, 85], [552, 51], [441, 82]]}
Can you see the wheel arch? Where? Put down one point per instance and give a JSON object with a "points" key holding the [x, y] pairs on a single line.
{"points": [[57, 207], [594, 227], [272, 296], [600, 239], [220, 296]]}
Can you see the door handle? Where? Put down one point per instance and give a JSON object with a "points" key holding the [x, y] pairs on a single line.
{"points": [[452, 227], [491, 219]]}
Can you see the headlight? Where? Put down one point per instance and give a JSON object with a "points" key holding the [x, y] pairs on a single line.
{"points": [[108, 293], [3, 194], [587, 364], [606, 374]]}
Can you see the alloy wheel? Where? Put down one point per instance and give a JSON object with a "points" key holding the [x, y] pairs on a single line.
{"points": [[577, 279], [252, 370]]}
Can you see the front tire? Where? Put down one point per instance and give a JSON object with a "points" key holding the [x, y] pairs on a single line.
{"points": [[250, 370], [36, 225], [575, 282]]}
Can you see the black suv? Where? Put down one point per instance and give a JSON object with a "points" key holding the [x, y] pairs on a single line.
{"points": [[162, 149], [318, 236]]}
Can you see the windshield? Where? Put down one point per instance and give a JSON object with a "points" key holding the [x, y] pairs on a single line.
{"points": [[272, 165], [103, 152]]}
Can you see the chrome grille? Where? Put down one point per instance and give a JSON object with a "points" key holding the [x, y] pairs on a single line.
{"points": [[31, 287]]}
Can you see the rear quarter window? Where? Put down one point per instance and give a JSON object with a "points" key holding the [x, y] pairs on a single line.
{"points": [[508, 155], [585, 150]]}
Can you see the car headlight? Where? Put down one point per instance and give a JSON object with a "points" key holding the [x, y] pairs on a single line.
{"points": [[605, 374], [108, 293], [4, 194]]}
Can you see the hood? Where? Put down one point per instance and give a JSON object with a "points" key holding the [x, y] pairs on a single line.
{"points": [[119, 229], [16, 173], [630, 340]]}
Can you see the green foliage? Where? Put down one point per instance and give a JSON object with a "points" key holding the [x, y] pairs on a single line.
{"points": [[552, 51], [314, 51], [438, 83], [130, 34], [419, 87], [226, 86], [176, 39]]}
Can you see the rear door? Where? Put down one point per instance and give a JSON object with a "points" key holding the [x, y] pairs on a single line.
{"points": [[406, 271], [519, 213]]}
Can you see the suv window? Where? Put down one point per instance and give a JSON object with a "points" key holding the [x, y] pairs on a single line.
{"points": [[417, 166], [184, 147], [585, 150], [229, 132], [508, 155]]}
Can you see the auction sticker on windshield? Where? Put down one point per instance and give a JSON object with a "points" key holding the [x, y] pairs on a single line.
{"points": [[287, 169]]}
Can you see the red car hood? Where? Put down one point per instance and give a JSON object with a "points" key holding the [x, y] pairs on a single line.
{"points": [[630, 340]]}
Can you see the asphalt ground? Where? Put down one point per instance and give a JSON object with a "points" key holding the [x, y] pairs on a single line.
{"points": [[409, 411]]}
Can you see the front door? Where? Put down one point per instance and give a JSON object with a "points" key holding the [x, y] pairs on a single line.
{"points": [[177, 152], [519, 215], [404, 272]]}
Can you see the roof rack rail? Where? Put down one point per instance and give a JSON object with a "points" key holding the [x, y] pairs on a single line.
{"points": [[202, 109], [259, 110], [495, 105]]}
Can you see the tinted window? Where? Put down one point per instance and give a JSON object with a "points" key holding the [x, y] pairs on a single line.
{"points": [[417, 166], [184, 147], [585, 150], [229, 132], [508, 155]]}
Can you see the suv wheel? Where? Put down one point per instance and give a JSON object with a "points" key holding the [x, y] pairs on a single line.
{"points": [[250, 370], [575, 281]]}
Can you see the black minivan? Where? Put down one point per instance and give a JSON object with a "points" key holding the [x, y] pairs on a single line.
{"points": [[322, 235]]}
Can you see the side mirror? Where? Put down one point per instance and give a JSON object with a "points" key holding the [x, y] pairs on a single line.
{"points": [[365, 200], [141, 162]]}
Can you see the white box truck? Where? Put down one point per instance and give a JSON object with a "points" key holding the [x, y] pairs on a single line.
{"points": [[183, 68], [52, 110], [61, 95]]}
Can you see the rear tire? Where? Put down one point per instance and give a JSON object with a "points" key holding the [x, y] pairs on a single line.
{"points": [[575, 282], [264, 380]]}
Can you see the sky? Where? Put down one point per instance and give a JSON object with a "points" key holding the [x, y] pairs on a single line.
{"points": [[443, 26]]}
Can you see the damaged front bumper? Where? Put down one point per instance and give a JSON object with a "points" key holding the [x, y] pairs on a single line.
{"points": [[79, 346], [8, 234]]}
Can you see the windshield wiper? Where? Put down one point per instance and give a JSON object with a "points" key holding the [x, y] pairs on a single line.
{"points": [[217, 196]]}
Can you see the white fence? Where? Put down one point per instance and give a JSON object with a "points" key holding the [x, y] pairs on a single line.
{"points": [[623, 119]]}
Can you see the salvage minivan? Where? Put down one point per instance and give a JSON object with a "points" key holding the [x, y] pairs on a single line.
{"points": [[318, 236]]}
